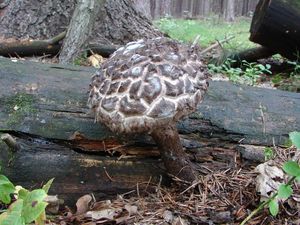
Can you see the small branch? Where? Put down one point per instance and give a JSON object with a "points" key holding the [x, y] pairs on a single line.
{"points": [[195, 42], [108, 176], [11, 142], [57, 38], [216, 44]]}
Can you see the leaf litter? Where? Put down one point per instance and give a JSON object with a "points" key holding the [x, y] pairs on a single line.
{"points": [[220, 196]]}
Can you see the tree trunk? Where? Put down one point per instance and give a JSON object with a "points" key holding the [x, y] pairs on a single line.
{"points": [[45, 19], [80, 29], [275, 25], [229, 12], [144, 7]]}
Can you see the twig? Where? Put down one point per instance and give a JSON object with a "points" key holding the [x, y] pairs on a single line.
{"points": [[108, 176], [216, 44], [262, 117], [57, 38], [195, 42]]}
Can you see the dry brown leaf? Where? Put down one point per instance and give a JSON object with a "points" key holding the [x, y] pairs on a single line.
{"points": [[95, 60], [82, 204], [132, 209], [103, 214], [268, 179]]}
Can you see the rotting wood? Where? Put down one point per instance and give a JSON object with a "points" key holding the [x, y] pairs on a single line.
{"points": [[251, 55], [44, 107], [45, 47], [50, 101], [76, 173], [275, 25]]}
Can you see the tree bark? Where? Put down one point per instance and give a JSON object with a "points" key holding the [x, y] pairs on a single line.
{"points": [[44, 107], [122, 23], [80, 29], [229, 12], [50, 101], [275, 25]]}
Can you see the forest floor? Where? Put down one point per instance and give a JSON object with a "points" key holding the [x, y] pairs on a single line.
{"points": [[225, 193]]}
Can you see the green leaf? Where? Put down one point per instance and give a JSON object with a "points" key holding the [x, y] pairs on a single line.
{"points": [[268, 152], [292, 168], [284, 191], [295, 138], [34, 205], [273, 207], [13, 215], [47, 186], [6, 188], [23, 193]]}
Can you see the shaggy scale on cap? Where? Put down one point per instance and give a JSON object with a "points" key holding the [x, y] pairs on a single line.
{"points": [[147, 84]]}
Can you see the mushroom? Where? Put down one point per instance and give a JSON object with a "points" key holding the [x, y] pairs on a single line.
{"points": [[146, 87]]}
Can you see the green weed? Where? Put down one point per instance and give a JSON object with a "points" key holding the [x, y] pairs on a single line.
{"points": [[27, 206], [210, 30], [247, 74], [291, 168]]}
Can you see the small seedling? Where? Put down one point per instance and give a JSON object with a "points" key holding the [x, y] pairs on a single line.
{"points": [[249, 73], [284, 191], [28, 206]]}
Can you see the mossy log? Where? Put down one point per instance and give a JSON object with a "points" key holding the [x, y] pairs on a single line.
{"points": [[44, 107]]}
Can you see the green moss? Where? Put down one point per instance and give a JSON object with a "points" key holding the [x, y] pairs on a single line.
{"points": [[19, 106]]}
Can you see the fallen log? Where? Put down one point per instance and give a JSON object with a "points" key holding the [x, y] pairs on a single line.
{"points": [[47, 47], [44, 107], [49, 100], [275, 25], [251, 55]]}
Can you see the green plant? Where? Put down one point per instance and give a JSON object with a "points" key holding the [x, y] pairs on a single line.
{"points": [[269, 153], [284, 191], [28, 206], [248, 75], [253, 71], [210, 29], [296, 65]]}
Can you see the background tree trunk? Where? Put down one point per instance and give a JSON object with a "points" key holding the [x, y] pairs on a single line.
{"points": [[124, 23], [44, 19], [229, 10], [35, 19], [80, 29]]}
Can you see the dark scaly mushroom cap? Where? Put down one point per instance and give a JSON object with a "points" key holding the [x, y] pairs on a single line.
{"points": [[147, 84]]}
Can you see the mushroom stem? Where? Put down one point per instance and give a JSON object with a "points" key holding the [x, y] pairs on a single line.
{"points": [[175, 159]]}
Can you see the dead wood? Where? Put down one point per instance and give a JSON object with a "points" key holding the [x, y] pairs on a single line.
{"points": [[275, 26], [251, 55], [44, 107], [47, 47]]}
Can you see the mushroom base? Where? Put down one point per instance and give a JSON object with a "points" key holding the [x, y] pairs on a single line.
{"points": [[175, 159]]}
